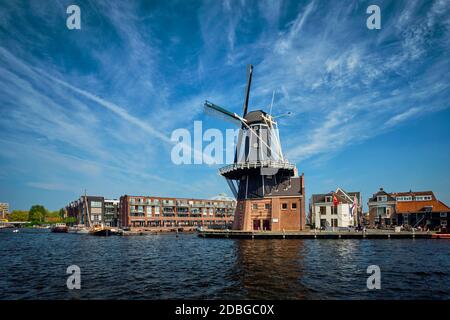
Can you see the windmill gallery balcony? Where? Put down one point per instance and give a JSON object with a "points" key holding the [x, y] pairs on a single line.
{"points": [[234, 171]]}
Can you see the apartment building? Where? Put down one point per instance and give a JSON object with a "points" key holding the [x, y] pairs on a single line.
{"points": [[96, 208], [149, 211]]}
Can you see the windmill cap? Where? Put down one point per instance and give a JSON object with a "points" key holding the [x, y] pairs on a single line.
{"points": [[255, 116]]}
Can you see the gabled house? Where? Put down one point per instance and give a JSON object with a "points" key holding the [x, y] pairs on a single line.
{"points": [[413, 208], [335, 209], [382, 209]]}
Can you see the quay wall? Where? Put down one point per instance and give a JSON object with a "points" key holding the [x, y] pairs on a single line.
{"points": [[312, 235]]}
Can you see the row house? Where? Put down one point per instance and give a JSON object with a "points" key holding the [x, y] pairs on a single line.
{"points": [[413, 208], [335, 209], [148, 211]]}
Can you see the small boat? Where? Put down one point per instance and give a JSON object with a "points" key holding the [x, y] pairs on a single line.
{"points": [[60, 228], [78, 229], [441, 236], [100, 231], [16, 230]]}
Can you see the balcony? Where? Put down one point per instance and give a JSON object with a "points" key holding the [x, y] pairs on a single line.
{"points": [[181, 203]]}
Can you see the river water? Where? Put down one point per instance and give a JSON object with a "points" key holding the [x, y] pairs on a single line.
{"points": [[33, 265]]}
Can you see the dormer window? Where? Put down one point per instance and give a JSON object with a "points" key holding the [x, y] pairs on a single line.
{"points": [[404, 198], [423, 198], [328, 199], [381, 198]]}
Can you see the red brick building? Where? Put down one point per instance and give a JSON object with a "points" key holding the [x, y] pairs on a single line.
{"points": [[147, 211], [281, 209]]}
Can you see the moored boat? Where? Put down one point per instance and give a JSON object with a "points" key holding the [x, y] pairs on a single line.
{"points": [[78, 229], [60, 228], [100, 231]]}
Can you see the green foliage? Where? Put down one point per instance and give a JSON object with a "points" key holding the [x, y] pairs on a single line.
{"points": [[70, 220], [53, 217], [18, 215], [37, 214]]}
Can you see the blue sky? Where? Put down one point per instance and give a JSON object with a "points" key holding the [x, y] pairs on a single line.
{"points": [[95, 108]]}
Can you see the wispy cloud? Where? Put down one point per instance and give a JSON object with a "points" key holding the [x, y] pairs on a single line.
{"points": [[403, 116], [99, 104]]}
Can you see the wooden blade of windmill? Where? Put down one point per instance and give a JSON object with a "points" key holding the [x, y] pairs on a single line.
{"points": [[247, 89], [221, 113]]}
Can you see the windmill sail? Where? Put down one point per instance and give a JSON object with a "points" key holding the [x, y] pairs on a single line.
{"points": [[247, 89], [221, 113]]}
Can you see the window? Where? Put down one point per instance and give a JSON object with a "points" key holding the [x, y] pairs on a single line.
{"points": [[405, 219], [444, 223], [156, 210], [333, 210], [284, 206], [381, 198], [381, 211], [443, 214], [423, 198], [254, 206], [323, 210], [294, 205], [328, 199], [334, 222], [267, 206], [404, 198], [96, 204]]}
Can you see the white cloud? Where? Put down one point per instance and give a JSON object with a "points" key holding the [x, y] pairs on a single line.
{"points": [[401, 117]]}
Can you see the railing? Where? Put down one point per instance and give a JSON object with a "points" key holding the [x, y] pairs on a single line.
{"points": [[257, 164]]}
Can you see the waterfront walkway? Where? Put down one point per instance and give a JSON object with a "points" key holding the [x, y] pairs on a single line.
{"points": [[370, 234]]}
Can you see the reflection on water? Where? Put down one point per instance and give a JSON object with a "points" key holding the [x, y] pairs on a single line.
{"points": [[269, 269], [33, 266]]}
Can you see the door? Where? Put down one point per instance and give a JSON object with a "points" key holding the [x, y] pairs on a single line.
{"points": [[266, 225]]}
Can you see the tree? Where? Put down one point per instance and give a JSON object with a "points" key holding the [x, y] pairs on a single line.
{"points": [[70, 220], [52, 217], [37, 213], [18, 215]]}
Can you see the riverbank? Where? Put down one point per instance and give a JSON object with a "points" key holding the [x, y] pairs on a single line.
{"points": [[370, 234], [156, 230]]}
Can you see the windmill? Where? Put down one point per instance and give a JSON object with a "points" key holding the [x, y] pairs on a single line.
{"points": [[260, 176]]}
